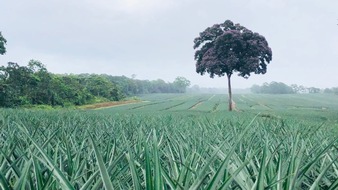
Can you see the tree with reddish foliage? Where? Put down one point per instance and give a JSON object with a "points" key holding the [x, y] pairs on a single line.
{"points": [[227, 48]]}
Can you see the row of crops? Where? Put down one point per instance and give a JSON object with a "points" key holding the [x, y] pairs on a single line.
{"points": [[138, 149], [243, 102], [293, 101], [172, 102]]}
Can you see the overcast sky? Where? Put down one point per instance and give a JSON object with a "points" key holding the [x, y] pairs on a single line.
{"points": [[154, 38]]}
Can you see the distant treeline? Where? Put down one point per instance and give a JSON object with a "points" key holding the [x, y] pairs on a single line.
{"points": [[333, 90], [34, 85], [212, 90], [281, 88]]}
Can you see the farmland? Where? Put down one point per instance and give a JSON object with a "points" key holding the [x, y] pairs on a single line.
{"points": [[175, 141]]}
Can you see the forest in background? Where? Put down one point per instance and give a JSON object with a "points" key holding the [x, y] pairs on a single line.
{"points": [[281, 88], [35, 85]]}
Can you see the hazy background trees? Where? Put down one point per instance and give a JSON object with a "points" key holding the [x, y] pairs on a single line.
{"points": [[281, 88], [333, 90], [272, 88], [180, 84]]}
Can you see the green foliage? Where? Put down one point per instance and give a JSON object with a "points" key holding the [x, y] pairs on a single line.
{"points": [[272, 88], [41, 107], [333, 90], [281, 88], [313, 90], [181, 84], [3, 41], [34, 85], [132, 87]]}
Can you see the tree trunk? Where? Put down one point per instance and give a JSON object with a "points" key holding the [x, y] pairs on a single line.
{"points": [[230, 94]]}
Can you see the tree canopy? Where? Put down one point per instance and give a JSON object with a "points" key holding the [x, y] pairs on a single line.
{"points": [[34, 85], [227, 48], [181, 84], [2, 44]]}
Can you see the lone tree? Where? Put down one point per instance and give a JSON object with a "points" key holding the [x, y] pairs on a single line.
{"points": [[2, 44], [227, 48]]}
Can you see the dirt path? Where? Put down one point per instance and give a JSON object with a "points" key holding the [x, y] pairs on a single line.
{"points": [[257, 103], [196, 105], [211, 97], [108, 104]]}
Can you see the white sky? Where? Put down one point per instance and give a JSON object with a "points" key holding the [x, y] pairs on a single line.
{"points": [[154, 38]]}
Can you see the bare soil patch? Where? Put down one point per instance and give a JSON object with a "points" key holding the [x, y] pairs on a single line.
{"points": [[196, 105], [108, 104]]}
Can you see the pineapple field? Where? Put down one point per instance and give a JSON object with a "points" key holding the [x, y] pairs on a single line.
{"points": [[175, 141]]}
